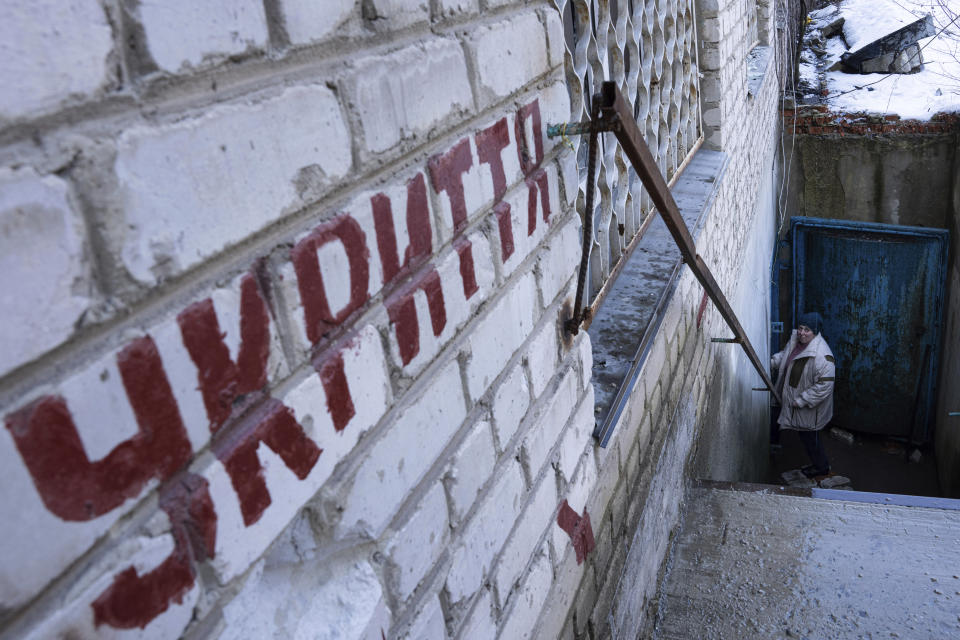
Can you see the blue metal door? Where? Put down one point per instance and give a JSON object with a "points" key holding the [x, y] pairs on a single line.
{"points": [[880, 290]]}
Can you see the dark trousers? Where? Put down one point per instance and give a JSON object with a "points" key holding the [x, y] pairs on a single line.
{"points": [[813, 443]]}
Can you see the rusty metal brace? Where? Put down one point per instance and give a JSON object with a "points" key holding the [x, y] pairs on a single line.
{"points": [[616, 114]]}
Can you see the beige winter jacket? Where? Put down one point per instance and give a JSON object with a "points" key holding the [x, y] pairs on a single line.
{"points": [[806, 385]]}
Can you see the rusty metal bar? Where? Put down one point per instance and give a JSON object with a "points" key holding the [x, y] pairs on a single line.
{"points": [[614, 109]]}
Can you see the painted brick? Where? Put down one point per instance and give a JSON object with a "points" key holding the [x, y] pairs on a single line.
{"points": [[559, 609], [240, 544], [481, 623], [396, 202], [43, 253], [571, 180], [396, 14], [485, 534], [554, 109], [75, 618], [429, 622], [559, 264], [452, 8], [578, 493], [508, 55], [522, 620], [469, 470], [309, 601], [497, 336], [545, 431], [307, 21], [535, 520], [526, 209], [556, 45], [458, 307], [510, 403], [397, 97], [179, 182], [418, 543], [542, 357], [404, 454], [576, 439], [475, 180], [183, 33], [585, 355], [53, 52]]}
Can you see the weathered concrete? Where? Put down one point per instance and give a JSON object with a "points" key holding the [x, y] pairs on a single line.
{"points": [[761, 565], [902, 180]]}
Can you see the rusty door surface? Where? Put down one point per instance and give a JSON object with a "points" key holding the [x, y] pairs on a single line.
{"points": [[880, 290]]}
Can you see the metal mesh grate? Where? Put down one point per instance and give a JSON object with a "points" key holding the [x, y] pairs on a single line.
{"points": [[649, 49]]}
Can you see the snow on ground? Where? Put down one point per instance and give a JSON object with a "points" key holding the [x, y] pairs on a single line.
{"points": [[934, 89]]}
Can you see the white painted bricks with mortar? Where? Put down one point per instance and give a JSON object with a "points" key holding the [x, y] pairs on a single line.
{"points": [[44, 254], [52, 53], [182, 34], [178, 182], [306, 21], [395, 95], [508, 55]]}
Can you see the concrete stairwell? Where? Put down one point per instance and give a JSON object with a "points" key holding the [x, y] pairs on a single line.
{"points": [[758, 561]]}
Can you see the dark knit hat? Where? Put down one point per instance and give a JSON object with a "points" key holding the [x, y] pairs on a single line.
{"points": [[811, 319]]}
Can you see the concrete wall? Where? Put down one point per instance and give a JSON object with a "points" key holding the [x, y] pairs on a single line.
{"points": [[282, 350]]}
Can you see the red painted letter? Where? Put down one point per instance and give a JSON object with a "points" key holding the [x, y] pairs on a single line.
{"points": [[133, 601], [418, 230], [579, 530], [490, 142], [73, 487], [403, 311], [446, 174], [537, 181], [273, 424], [221, 379], [528, 163], [319, 317]]}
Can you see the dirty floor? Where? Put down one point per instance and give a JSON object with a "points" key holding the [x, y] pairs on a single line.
{"points": [[753, 562], [872, 463]]}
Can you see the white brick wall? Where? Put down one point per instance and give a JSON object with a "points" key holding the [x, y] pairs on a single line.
{"points": [[181, 33], [399, 460], [469, 470], [44, 254], [419, 542], [396, 98], [485, 534], [50, 53], [307, 21], [178, 182], [508, 55]]}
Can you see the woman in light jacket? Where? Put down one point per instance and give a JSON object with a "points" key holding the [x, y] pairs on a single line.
{"points": [[805, 382]]}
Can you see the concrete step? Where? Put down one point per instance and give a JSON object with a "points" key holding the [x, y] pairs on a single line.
{"points": [[758, 561]]}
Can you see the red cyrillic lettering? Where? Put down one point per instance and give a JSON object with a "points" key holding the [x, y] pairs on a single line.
{"points": [[319, 318], [132, 600], [490, 142], [273, 424], [333, 377], [528, 163], [402, 311], [446, 175], [73, 487], [505, 224], [578, 528], [537, 181], [221, 379], [418, 230]]}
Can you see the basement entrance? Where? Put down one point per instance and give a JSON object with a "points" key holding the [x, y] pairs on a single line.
{"points": [[880, 290]]}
